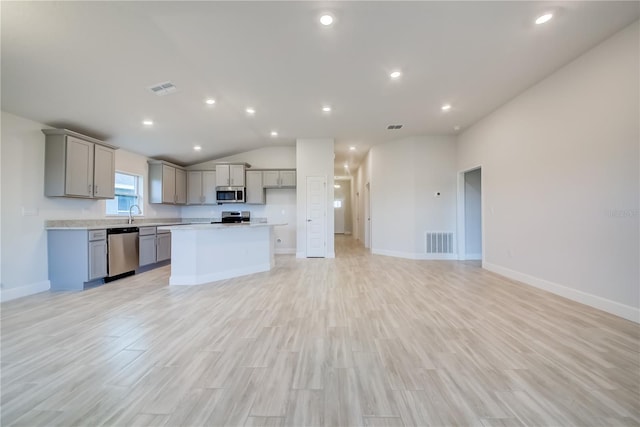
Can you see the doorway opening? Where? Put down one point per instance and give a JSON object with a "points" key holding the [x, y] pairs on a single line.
{"points": [[470, 224], [343, 221]]}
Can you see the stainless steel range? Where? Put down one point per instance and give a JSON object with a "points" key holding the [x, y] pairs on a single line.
{"points": [[233, 217]]}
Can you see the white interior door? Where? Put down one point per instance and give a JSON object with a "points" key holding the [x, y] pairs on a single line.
{"points": [[316, 216]]}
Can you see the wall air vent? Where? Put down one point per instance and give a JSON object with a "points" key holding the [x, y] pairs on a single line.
{"points": [[439, 242], [394, 127], [163, 88]]}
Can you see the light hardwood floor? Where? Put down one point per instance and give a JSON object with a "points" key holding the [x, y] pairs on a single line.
{"points": [[358, 340]]}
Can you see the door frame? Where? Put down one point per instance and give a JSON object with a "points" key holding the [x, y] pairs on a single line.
{"points": [[461, 216]]}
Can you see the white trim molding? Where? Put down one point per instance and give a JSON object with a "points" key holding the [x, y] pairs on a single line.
{"points": [[625, 311], [285, 251], [201, 279], [8, 294], [414, 255]]}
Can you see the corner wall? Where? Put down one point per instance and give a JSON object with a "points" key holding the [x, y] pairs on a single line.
{"points": [[405, 177], [314, 157], [560, 178]]}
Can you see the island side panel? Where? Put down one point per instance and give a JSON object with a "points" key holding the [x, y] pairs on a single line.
{"points": [[210, 254]]}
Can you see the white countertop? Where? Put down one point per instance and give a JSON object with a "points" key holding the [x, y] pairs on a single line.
{"points": [[206, 226], [107, 226]]}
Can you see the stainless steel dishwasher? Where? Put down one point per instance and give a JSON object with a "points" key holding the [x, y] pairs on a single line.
{"points": [[122, 251]]}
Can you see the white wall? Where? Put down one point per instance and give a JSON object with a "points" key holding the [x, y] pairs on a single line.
{"points": [[314, 157], [278, 157], [405, 175], [473, 214], [24, 243], [281, 202], [560, 179]]}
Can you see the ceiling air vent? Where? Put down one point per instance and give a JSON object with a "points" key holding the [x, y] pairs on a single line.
{"points": [[394, 127], [163, 88]]}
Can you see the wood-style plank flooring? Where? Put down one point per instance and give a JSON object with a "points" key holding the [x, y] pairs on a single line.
{"points": [[357, 340]]}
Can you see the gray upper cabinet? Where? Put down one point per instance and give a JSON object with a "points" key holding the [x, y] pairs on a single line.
{"points": [[104, 172], [167, 183], [255, 190], [181, 186], [230, 175], [201, 188], [78, 166], [279, 178]]}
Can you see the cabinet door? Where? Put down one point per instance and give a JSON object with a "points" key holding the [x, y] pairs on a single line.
{"points": [[181, 186], [97, 259], [163, 246], [168, 184], [255, 191], [104, 172], [287, 178], [222, 175], [236, 172], [270, 179], [194, 187], [79, 168], [209, 187], [147, 254]]}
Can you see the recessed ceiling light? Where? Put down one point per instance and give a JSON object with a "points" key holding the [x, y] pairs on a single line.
{"points": [[210, 101], [326, 20], [250, 111], [544, 18], [446, 107], [326, 109], [274, 133], [147, 122], [395, 74], [352, 148], [197, 147], [346, 165], [336, 185]]}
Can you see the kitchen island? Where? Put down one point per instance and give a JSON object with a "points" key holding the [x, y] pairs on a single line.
{"points": [[202, 253]]}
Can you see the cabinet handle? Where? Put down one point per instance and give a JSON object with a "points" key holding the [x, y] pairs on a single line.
{"points": [[89, 189], [96, 189]]}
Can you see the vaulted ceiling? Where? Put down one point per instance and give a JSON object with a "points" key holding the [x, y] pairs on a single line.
{"points": [[88, 66]]}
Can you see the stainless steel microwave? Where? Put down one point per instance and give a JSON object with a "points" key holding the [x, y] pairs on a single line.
{"points": [[230, 194]]}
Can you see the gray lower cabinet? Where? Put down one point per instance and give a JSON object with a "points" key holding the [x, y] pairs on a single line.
{"points": [[147, 246], [163, 246], [76, 257], [97, 259]]}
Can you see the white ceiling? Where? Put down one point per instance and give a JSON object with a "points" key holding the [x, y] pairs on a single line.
{"points": [[86, 66]]}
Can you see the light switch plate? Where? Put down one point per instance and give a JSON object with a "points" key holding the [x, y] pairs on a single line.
{"points": [[29, 211]]}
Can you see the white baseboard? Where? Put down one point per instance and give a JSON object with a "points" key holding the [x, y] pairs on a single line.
{"points": [[214, 277], [470, 257], [612, 307], [8, 294], [285, 251], [414, 255]]}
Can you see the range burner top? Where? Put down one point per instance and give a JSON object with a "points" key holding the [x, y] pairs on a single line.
{"points": [[234, 217]]}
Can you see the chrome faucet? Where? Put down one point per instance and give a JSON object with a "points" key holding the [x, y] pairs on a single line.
{"points": [[130, 215]]}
